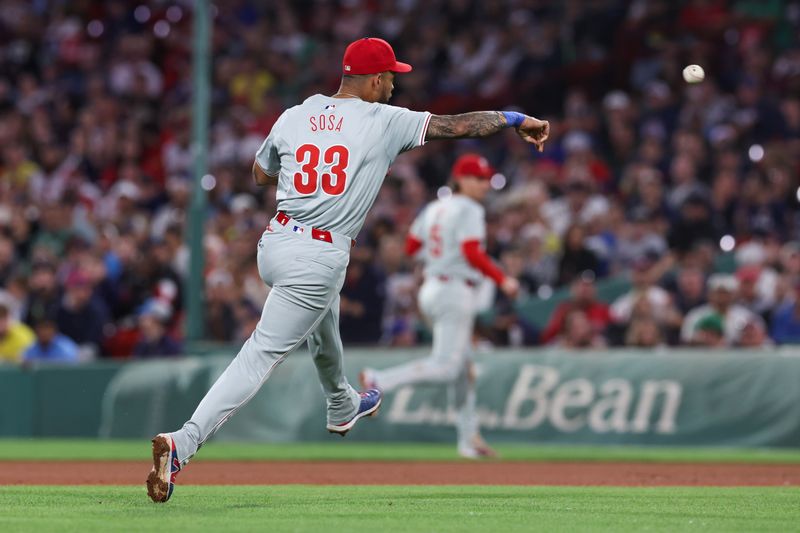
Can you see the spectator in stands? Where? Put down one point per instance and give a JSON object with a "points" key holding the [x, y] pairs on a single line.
{"points": [[722, 289], [643, 286], [54, 229], [709, 332], [219, 306], [789, 259], [131, 285], [786, 320], [8, 261], [787, 270], [689, 289], [578, 206], [81, 316], [362, 301], [154, 341], [756, 295], [178, 250], [576, 257], [541, 263], [579, 332], [694, 224], [50, 346], [754, 335], [685, 185], [583, 298], [173, 212], [15, 337], [659, 301], [162, 280], [644, 332], [14, 294], [509, 327], [401, 321], [639, 241], [18, 168]]}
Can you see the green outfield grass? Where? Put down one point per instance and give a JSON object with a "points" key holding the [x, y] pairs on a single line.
{"points": [[339, 449], [388, 509]]}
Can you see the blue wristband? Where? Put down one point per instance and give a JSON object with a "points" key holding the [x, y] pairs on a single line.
{"points": [[513, 119]]}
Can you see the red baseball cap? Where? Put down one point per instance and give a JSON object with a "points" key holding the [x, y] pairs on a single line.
{"points": [[471, 165], [371, 55]]}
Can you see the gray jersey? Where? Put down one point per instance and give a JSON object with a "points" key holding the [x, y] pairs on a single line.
{"points": [[332, 155], [443, 227]]}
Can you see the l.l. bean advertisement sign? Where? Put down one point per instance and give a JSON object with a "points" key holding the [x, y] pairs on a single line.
{"points": [[540, 396], [675, 398]]}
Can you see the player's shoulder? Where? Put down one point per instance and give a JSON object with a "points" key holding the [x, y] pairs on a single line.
{"points": [[466, 203], [286, 116], [387, 110], [313, 101], [430, 212], [432, 206], [289, 116]]}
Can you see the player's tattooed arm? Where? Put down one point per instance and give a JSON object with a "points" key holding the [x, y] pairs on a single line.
{"points": [[262, 178], [475, 124], [485, 123]]}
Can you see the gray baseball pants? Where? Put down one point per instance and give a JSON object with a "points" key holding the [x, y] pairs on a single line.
{"points": [[450, 307], [306, 276]]}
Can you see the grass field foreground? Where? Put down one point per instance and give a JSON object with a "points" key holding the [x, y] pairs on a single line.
{"points": [[81, 449], [441, 509]]}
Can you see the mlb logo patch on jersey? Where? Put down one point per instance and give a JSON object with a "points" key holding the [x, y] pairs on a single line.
{"points": [[298, 229], [330, 107]]}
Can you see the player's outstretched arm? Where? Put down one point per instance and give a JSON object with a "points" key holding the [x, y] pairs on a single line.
{"points": [[485, 123]]}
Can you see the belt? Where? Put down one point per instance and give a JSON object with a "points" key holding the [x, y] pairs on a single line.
{"points": [[467, 282], [289, 225]]}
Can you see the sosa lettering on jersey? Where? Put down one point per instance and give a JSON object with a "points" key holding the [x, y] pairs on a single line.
{"points": [[325, 123]]}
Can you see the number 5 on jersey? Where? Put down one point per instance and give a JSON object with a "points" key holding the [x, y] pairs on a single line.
{"points": [[436, 241], [309, 179]]}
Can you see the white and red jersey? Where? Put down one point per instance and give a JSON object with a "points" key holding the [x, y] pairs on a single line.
{"points": [[451, 235], [331, 156]]}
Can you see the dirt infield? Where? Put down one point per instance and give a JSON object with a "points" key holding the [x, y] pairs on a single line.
{"points": [[403, 473]]}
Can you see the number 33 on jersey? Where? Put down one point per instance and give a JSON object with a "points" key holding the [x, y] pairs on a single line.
{"points": [[311, 176]]}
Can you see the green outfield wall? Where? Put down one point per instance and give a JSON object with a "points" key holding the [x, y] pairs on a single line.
{"points": [[673, 398]]}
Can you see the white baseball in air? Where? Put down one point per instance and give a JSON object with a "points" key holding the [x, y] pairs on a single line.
{"points": [[694, 74]]}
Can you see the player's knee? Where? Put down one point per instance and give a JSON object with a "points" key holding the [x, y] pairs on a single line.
{"points": [[317, 355]]}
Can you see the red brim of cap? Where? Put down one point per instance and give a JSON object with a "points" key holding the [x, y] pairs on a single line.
{"points": [[399, 66]]}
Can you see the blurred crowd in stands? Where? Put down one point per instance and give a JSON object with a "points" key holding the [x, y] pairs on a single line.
{"points": [[689, 191]]}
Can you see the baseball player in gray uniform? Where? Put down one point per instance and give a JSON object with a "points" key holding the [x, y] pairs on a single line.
{"points": [[328, 157], [449, 236]]}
